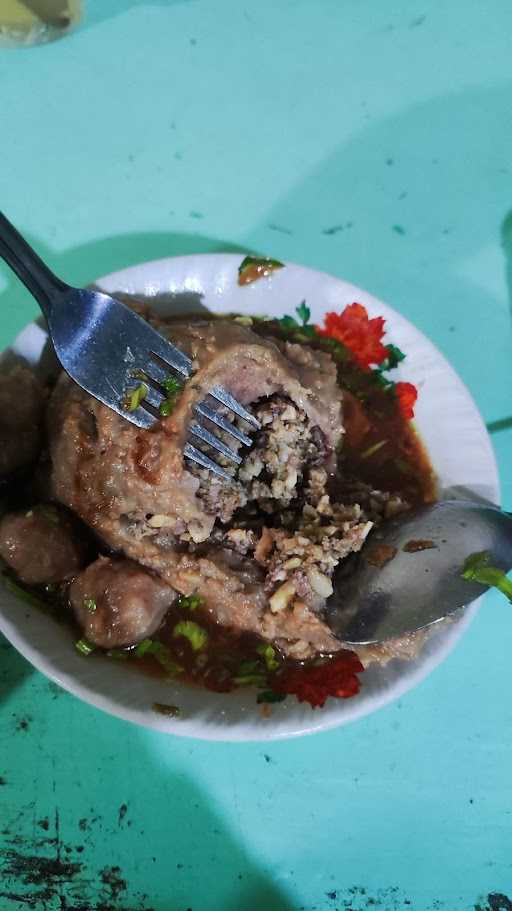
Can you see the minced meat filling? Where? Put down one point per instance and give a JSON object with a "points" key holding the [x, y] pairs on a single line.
{"points": [[278, 509], [285, 448], [274, 470]]}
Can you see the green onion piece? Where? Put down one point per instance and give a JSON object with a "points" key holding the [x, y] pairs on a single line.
{"points": [[269, 654], [173, 388], [90, 605], [136, 396], [477, 568], [172, 711], [189, 602], [118, 653], [270, 696], [23, 594], [254, 267], [84, 647], [288, 322], [143, 647], [172, 385], [160, 653], [373, 449], [248, 667], [196, 635], [166, 408], [250, 680], [163, 656]]}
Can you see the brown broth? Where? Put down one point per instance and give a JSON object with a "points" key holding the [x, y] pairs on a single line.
{"points": [[380, 447]]}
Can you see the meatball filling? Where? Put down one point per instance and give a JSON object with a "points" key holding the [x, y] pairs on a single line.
{"points": [[278, 510], [273, 473]]}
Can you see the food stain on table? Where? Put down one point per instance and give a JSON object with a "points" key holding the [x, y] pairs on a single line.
{"points": [[43, 870]]}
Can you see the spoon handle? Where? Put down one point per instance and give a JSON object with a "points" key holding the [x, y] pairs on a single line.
{"points": [[29, 268]]}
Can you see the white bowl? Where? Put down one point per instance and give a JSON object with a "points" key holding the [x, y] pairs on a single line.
{"points": [[450, 426]]}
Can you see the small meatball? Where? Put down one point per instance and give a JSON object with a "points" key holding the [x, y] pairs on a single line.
{"points": [[22, 401], [118, 603], [42, 545]]}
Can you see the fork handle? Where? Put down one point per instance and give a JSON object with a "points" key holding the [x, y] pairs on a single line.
{"points": [[27, 265]]}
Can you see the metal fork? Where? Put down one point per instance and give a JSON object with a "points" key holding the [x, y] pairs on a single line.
{"points": [[103, 346]]}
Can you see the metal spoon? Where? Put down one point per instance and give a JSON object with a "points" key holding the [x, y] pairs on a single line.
{"points": [[418, 582]]}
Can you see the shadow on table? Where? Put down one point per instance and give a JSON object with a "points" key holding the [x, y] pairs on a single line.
{"points": [[155, 843], [82, 264], [408, 207], [14, 670]]}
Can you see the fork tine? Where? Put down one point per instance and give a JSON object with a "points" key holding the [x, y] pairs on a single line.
{"points": [[142, 418], [158, 372], [206, 412], [217, 392], [152, 397], [170, 356], [195, 455], [202, 434]]}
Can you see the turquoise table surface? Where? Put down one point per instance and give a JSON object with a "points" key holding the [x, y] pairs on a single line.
{"points": [[370, 139]]}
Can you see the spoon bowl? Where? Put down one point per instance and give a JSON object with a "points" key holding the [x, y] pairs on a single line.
{"points": [[409, 573]]}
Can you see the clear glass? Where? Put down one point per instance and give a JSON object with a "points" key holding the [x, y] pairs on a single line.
{"points": [[27, 22]]}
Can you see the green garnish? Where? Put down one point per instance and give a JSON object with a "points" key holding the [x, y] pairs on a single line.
{"points": [[189, 602], [394, 358], [269, 654], [84, 647], [90, 605], [254, 267], [160, 653], [118, 653], [196, 635], [136, 396], [166, 408], [477, 568], [248, 667], [173, 388], [172, 711], [270, 696], [143, 648], [304, 314], [250, 680], [373, 449], [172, 385], [163, 656]]}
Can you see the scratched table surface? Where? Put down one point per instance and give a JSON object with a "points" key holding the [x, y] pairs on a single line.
{"points": [[372, 140]]}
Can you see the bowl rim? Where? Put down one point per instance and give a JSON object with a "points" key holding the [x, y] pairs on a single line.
{"points": [[248, 732]]}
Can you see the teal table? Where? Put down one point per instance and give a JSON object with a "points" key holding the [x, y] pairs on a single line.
{"points": [[372, 140]]}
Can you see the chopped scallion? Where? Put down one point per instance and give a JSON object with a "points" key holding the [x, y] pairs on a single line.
{"points": [[477, 568], [189, 602], [84, 647], [250, 680], [269, 654], [270, 696], [136, 396], [196, 635], [172, 711], [373, 449]]}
